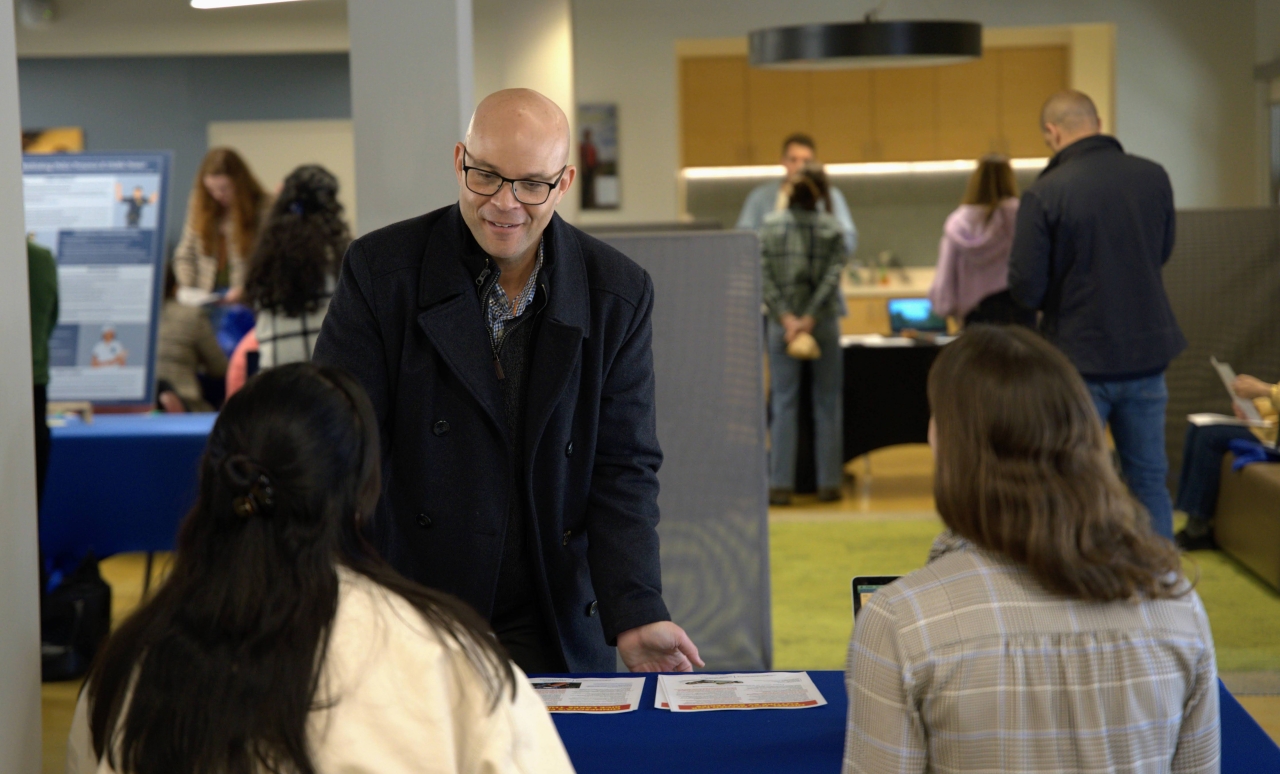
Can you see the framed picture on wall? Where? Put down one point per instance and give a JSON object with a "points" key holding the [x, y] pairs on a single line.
{"points": [[598, 156]]}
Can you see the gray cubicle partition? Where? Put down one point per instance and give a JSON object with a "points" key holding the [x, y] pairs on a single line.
{"points": [[710, 399], [1223, 281]]}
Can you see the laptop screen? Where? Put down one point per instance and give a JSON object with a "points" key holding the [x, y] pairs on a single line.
{"points": [[914, 314]]}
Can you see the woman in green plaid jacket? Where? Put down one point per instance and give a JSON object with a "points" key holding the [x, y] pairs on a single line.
{"points": [[803, 256]]}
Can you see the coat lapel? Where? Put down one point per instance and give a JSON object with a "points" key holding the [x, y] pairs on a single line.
{"points": [[450, 315], [566, 322]]}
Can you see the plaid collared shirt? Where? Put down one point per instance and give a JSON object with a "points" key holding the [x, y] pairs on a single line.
{"points": [[500, 310], [803, 257], [969, 665]]}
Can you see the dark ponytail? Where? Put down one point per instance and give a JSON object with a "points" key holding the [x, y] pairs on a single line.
{"points": [[219, 672]]}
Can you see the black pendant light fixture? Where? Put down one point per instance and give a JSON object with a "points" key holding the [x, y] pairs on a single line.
{"points": [[868, 43]]}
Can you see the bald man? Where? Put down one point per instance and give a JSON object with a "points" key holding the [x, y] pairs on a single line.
{"points": [[508, 357], [1093, 234]]}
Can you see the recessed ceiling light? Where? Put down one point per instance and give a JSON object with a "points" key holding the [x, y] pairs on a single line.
{"points": [[205, 5]]}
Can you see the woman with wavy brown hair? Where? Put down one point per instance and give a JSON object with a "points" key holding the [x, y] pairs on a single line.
{"points": [[226, 209], [1052, 629]]}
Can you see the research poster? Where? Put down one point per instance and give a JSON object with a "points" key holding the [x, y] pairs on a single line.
{"points": [[102, 216]]}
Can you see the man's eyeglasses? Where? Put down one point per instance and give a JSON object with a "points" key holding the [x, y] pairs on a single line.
{"points": [[487, 183]]}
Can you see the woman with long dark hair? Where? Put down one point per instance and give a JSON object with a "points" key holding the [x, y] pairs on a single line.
{"points": [[224, 213], [972, 280], [1052, 629], [281, 643]]}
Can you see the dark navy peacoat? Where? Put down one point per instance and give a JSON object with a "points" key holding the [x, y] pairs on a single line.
{"points": [[406, 320]]}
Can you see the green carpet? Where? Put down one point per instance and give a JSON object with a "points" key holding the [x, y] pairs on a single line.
{"points": [[813, 563]]}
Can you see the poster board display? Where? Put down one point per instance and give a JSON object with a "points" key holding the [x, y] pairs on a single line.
{"points": [[102, 215]]}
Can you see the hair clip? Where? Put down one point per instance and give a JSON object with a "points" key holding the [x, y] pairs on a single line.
{"points": [[257, 501], [295, 207]]}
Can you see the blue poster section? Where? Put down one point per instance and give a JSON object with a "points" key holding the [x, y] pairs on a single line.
{"points": [[102, 215]]}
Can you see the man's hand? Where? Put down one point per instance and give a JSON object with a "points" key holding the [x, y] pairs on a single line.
{"points": [[806, 324], [1250, 387], [658, 647]]}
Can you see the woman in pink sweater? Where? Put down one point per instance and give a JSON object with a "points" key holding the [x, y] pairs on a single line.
{"points": [[972, 280]]}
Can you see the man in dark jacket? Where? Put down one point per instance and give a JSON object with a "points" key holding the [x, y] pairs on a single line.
{"points": [[1093, 233], [508, 356]]}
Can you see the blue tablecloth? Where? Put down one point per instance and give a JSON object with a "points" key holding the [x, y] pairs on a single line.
{"points": [[120, 483], [807, 740]]}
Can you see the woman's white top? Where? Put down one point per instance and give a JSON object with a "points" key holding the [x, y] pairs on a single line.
{"points": [[407, 700]]}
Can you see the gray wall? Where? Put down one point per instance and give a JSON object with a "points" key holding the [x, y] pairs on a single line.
{"points": [[166, 103]]}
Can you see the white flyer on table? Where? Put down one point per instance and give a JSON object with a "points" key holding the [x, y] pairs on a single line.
{"points": [[738, 691], [594, 695]]}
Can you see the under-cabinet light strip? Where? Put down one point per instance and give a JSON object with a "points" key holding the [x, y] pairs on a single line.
{"points": [[843, 170]]}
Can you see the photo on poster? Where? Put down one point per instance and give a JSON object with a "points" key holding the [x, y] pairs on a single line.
{"points": [[136, 198], [598, 156]]}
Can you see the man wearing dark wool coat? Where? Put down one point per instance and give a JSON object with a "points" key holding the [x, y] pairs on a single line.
{"points": [[508, 356]]}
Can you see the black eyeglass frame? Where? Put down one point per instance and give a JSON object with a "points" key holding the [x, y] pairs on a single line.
{"points": [[505, 180]]}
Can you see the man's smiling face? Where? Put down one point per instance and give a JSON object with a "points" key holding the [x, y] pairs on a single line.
{"points": [[519, 139]]}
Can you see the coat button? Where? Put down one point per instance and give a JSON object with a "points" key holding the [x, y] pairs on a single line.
{"points": [[567, 534], [591, 609], [440, 427], [568, 450], [424, 520]]}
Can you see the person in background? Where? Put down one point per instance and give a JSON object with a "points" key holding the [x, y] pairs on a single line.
{"points": [[187, 347], [280, 641], [292, 273], [803, 253], [1052, 629], [225, 211], [42, 287], [972, 280], [1093, 234], [1202, 453], [798, 151]]}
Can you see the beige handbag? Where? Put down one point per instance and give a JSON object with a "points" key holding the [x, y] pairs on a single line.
{"points": [[804, 347]]}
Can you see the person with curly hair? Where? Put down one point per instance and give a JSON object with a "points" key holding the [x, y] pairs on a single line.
{"points": [[292, 273]]}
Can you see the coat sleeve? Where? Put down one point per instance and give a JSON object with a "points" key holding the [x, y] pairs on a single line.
{"points": [[942, 294], [622, 511], [829, 285], [351, 337], [1199, 738], [186, 258], [1030, 260]]}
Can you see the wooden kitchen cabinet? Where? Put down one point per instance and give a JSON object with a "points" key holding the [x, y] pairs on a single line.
{"points": [[713, 110], [1027, 78], [841, 114], [732, 114]]}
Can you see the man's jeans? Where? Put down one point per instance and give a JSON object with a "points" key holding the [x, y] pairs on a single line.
{"points": [[828, 409], [1135, 410]]}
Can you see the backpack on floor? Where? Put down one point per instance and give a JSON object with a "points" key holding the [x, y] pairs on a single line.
{"points": [[74, 620]]}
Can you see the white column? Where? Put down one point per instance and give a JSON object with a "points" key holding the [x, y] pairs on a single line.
{"points": [[411, 97], [19, 617], [529, 45]]}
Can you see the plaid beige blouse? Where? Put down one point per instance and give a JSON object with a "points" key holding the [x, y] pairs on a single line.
{"points": [[969, 665]]}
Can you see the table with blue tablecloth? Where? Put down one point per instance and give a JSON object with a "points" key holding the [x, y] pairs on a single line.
{"points": [[803, 740], [119, 483]]}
